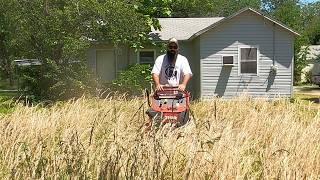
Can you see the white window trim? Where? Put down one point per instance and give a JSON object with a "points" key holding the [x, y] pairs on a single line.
{"points": [[145, 50], [239, 58], [223, 55]]}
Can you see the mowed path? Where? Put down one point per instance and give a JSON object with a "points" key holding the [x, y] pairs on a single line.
{"points": [[308, 90]]}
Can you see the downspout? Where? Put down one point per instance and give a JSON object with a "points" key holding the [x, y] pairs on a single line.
{"points": [[273, 44], [274, 67]]}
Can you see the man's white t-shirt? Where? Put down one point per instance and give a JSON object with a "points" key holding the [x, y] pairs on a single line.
{"points": [[171, 74]]}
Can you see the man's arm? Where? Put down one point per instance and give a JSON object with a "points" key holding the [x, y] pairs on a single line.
{"points": [[156, 80], [156, 72], [185, 81], [187, 74]]}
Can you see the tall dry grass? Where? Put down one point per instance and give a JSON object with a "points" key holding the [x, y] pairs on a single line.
{"points": [[103, 139]]}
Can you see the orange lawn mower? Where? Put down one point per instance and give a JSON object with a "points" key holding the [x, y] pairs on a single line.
{"points": [[169, 106]]}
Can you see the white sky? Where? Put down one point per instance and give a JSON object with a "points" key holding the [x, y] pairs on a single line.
{"points": [[309, 1]]}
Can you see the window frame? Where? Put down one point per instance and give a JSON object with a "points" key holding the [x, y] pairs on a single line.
{"points": [[239, 60], [146, 50], [225, 55]]}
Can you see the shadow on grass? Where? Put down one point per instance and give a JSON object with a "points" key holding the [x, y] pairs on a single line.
{"points": [[308, 89], [314, 100], [308, 98]]}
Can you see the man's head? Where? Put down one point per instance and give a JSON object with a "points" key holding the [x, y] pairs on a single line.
{"points": [[172, 48]]}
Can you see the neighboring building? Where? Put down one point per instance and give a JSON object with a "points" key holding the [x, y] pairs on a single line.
{"points": [[313, 62], [244, 53]]}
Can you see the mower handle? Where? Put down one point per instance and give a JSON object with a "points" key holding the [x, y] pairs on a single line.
{"points": [[170, 88], [171, 92]]}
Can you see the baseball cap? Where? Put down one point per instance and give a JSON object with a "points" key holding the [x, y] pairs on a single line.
{"points": [[173, 40]]}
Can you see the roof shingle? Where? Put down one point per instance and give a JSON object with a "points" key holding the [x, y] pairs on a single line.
{"points": [[182, 28]]}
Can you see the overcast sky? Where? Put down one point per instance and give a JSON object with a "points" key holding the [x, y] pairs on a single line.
{"points": [[308, 1]]}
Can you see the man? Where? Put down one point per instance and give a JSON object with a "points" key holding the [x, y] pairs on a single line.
{"points": [[171, 68]]}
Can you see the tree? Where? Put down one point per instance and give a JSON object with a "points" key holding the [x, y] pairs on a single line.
{"points": [[58, 32], [286, 11], [210, 8], [9, 46], [311, 16]]}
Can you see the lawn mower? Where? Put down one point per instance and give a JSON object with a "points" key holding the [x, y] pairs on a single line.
{"points": [[170, 105]]}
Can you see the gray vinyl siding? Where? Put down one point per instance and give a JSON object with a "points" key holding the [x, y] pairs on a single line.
{"points": [[122, 55], [91, 62], [195, 67], [92, 52], [225, 39]]}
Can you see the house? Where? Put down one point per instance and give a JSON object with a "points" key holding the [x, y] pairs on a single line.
{"points": [[313, 65], [244, 53]]}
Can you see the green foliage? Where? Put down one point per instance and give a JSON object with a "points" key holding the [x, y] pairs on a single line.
{"points": [[153, 9], [229, 7], [6, 103], [313, 31], [134, 79], [289, 13], [317, 59], [59, 33], [311, 15], [308, 77], [300, 60], [209, 8], [119, 22], [192, 8], [70, 80], [56, 82], [273, 5], [8, 42], [5, 85]]}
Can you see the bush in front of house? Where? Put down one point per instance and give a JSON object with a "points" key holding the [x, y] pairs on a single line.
{"points": [[133, 80]]}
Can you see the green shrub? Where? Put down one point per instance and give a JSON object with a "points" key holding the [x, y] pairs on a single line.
{"points": [[308, 77], [300, 62], [6, 104], [134, 79], [52, 81]]}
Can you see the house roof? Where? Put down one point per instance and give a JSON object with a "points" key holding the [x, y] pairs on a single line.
{"points": [[182, 28], [189, 28]]}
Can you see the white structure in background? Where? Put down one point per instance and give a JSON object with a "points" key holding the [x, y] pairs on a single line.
{"points": [[27, 62], [313, 64]]}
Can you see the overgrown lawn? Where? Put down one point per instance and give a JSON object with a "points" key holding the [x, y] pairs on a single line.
{"points": [[97, 139]]}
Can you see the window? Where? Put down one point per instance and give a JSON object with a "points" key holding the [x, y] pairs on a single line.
{"points": [[146, 57], [248, 57], [227, 60]]}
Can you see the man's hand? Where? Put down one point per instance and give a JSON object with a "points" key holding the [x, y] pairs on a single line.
{"points": [[182, 87], [185, 81], [159, 87]]}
